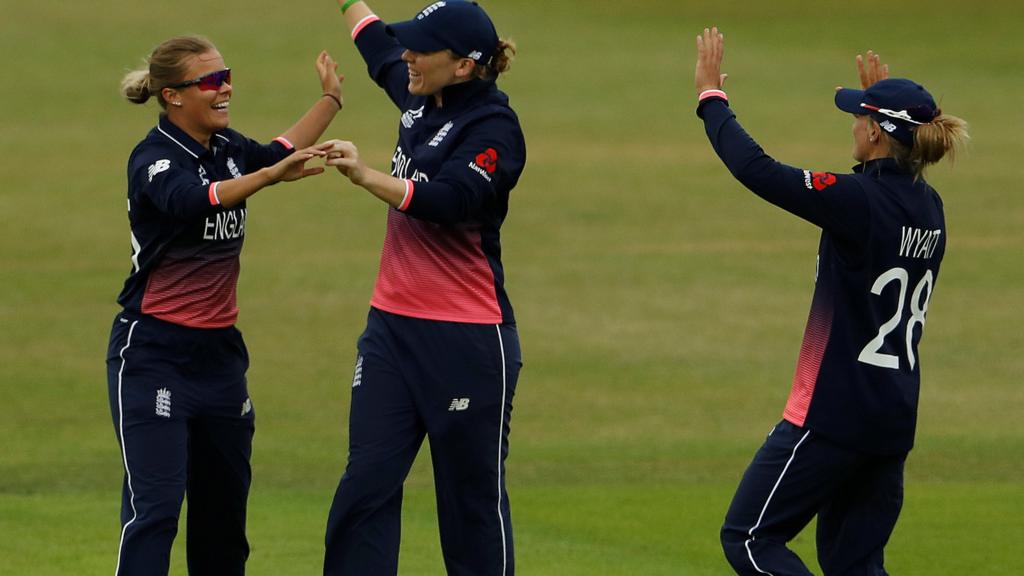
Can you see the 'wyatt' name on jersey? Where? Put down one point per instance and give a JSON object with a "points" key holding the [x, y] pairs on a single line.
{"points": [[225, 225], [918, 243]]}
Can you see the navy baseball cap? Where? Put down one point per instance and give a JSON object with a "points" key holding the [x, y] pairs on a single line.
{"points": [[460, 26], [897, 104]]}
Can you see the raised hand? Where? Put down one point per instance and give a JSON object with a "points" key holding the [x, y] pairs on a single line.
{"points": [[330, 80], [871, 69], [710, 48]]}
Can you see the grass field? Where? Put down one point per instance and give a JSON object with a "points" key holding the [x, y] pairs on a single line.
{"points": [[660, 305]]}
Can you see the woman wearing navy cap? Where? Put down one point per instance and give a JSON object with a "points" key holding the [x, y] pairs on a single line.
{"points": [[176, 363], [440, 354], [849, 423]]}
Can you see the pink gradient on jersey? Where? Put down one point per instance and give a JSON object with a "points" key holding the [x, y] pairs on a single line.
{"points": [[192, 292], [435, 272], [812, 351]]}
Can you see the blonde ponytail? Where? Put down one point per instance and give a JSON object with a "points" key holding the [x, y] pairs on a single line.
{"points": [[943, 137], [135, 86]]}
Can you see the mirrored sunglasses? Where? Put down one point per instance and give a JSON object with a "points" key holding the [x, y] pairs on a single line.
{"points": [[211, 81]]}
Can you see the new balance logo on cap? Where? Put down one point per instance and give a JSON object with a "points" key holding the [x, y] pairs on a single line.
{"points": [[457, 25]]}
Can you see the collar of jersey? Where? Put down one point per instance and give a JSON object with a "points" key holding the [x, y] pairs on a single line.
{"points": [[458, 96], [178, 136], [878, 166]]}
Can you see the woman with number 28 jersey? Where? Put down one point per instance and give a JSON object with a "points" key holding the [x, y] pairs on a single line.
{"points": [[849, 423]]}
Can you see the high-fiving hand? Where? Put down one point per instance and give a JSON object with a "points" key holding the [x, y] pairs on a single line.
{"points": [[330, 80], [872, 71], [710, 48]]}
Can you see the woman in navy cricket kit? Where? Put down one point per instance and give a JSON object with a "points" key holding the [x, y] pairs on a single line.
{"points": [[440, 354], [849, 422], [176, 364]]}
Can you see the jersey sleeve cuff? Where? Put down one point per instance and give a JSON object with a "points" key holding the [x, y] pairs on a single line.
{"points": [[708, 96], [407, 199], [366, 21], [712, 94], [212, 192], [284, 142]]}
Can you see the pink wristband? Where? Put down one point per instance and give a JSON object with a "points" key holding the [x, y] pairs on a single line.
{"points": [[712, 94]]}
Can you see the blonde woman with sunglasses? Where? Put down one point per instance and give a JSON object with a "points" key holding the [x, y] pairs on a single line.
{"points": [[176, 363]]}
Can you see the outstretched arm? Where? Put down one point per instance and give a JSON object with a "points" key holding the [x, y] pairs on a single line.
{"points": [[345, 156], [832, 202], [230, 192]]}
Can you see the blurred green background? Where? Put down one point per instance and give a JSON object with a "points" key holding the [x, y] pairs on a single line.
{"points": [[660, 305]]}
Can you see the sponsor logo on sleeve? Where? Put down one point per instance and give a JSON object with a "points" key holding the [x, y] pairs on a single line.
{"points": [[157, 167], [818, 180], [485, 163]]}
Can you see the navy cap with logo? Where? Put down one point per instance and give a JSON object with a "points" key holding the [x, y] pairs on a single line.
{"points": [[460, 26], [897, 104]]}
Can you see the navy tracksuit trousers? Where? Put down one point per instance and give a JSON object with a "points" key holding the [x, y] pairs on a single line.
{"points": [[453, 384], [185, 423], [796, 475]]}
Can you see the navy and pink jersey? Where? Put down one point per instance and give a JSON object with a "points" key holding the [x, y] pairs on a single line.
{"points": [[185, 245], [883, 237], [441, 258]]}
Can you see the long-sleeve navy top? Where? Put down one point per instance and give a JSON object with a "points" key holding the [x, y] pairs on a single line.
{"points": [[883, 237]]}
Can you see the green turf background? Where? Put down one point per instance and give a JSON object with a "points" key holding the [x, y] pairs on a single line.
{"points": [[660, 305]]}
